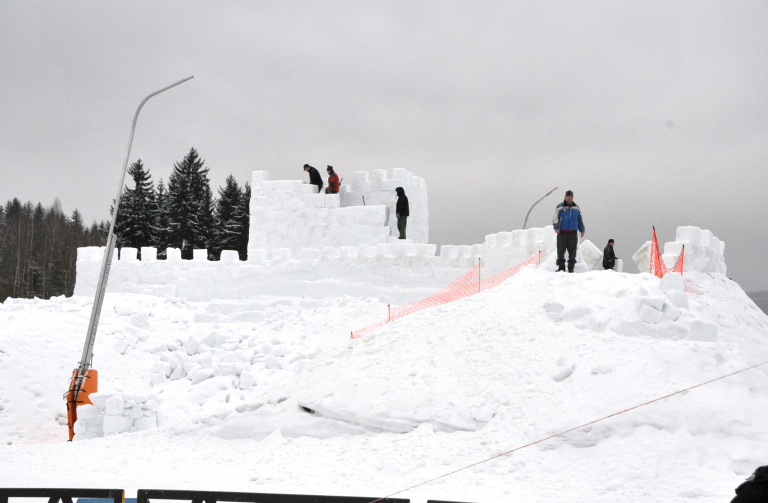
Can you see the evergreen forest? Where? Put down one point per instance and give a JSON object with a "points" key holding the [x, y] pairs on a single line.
{"points": [[38, 245]]}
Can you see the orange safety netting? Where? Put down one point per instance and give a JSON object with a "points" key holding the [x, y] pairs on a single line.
{"points": [[468, 284], [658, 267]]}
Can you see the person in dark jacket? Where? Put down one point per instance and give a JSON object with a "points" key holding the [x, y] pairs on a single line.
{"points": [[567, 222], [333, 181], [755, 489], [402, 211], [609, 257], [314, 177]]}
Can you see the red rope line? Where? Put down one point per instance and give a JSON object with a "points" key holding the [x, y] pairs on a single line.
{"points": [[567, 431]]}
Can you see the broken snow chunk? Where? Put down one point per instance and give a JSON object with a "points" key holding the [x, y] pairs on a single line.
{"points": [[152, 405], [672, 281], [650, 315], [123, 310], [120, 347], [158, 348], [678, 298], [602, 369], [136, 412], [177, 359], [271, 362], [554, 307], [656, 302], [671, 312], [191, 347], [158, 379], [178, 373], [201, 375], [209, 340], [563, 373], [131, 340], [140, 320], [247, 380]]}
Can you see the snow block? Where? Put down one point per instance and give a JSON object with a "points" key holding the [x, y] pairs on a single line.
{"points": [[148, 254], [229, 257], [642, 257], [671, 312], [650, 315], [672, 281], [656, 302], [591, 254], [678, 298]]}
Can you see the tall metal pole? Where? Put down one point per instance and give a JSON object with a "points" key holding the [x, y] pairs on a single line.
{"points": [[101, 286], [534, 204]]}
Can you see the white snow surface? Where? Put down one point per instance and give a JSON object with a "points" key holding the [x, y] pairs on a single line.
{"points": [[269, 394]]}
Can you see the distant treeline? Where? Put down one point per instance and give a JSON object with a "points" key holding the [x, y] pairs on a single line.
{"points": [[38, 249], [38, 246]]}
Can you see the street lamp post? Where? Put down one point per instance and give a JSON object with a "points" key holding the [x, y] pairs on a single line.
{"points": [[534, 204]]}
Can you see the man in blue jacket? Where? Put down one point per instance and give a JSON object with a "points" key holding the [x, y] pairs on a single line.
{"points": [[567, 223]]}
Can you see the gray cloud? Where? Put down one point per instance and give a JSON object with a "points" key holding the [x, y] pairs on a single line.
{"points": [[494, 103]]}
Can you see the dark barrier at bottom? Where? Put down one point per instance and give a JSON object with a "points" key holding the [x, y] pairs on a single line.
{"points": [[147, 495], [64, 495]]}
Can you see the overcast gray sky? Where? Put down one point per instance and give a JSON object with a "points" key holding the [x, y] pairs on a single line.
{"points": [[653, 113]]}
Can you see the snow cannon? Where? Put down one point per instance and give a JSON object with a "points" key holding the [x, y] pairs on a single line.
{"points": [[84, 379], [79, 389]]}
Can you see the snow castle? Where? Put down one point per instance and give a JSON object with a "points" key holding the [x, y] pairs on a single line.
{"points": [[304, 240]]}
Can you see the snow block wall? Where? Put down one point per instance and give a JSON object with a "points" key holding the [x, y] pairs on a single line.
{"points": [[290, 214], [113, 414], [364, 266], [704, 252]]}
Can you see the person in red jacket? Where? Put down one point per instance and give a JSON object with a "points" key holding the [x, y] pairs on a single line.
{"points": [[333, 182]]}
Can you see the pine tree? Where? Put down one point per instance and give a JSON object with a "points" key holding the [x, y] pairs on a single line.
{"points": [[136, 209], [228, 221], [190, 205], [205, 237], [244, 215], [161, 224], [76, 222]]}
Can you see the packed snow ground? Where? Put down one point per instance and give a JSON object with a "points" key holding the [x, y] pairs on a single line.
{"points": [[270, 395]]}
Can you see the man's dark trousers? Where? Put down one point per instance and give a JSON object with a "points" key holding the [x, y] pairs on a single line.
{"points": [[401, 223], [566, 241]]}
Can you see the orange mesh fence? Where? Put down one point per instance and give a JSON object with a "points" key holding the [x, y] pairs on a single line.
{"points": [[468, 284], [658, 267]]}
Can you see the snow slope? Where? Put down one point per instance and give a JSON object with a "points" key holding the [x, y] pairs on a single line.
{"points": [[283, 401]]}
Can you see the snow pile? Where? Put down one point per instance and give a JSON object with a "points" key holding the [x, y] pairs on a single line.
{"points": [[270, 387], [111, 414]]}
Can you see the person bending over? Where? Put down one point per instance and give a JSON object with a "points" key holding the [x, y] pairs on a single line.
{"points": [[314, 177]]}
